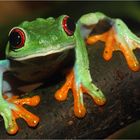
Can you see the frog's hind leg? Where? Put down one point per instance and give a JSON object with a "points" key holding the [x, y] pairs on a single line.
{"points": [[130, 57], [121, 39], [107, 37]]}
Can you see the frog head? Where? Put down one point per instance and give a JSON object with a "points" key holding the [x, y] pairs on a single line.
{"points": [[40, 37]]}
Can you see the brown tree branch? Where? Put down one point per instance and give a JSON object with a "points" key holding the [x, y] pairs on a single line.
{"points": [[121, 87]]}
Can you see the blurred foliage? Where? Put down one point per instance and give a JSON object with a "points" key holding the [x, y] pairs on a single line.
{"points": [[131, 131], [14, 12]]}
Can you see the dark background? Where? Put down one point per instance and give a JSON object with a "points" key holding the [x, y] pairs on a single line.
{"points": [[13, 13]]}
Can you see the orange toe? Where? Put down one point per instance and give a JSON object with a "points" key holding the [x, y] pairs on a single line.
{"points": [[20, 112]]}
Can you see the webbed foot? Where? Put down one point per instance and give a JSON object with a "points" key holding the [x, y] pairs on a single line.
{"points": [[119, 37], [12, 109], [78, 90]]}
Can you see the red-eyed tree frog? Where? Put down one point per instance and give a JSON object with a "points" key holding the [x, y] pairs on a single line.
{"points": [[31, 44]]}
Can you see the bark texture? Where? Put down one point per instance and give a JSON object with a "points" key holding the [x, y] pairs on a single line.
{"points": [[121, 87]]}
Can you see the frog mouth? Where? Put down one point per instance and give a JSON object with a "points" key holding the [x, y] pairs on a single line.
{"points": [[41, 54]]}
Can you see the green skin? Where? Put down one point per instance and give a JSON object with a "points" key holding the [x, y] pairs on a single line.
{"points": [[45, 37]]}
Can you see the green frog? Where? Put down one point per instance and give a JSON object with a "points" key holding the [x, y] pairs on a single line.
{"points": [[36, 49]]}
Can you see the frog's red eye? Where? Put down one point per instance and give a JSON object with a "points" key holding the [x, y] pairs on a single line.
{"points": [[68, 25], [17, 38]]}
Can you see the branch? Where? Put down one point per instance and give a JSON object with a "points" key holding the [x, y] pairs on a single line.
{"points": [[121, 88]]}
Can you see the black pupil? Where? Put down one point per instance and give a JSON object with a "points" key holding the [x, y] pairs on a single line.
{"points": [[71, 24], [14, 39]]}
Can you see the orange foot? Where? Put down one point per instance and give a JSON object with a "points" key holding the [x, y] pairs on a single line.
{"points": [[79, 108], [14, 109], [115, 41]]}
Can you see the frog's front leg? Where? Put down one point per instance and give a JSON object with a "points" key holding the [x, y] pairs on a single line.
{"points": [[12, 108], [79, 80], [70, 83], [78, 87]]}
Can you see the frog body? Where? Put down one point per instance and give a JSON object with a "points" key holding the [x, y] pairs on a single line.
{"points": [[36, 50], [32, 70]]}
